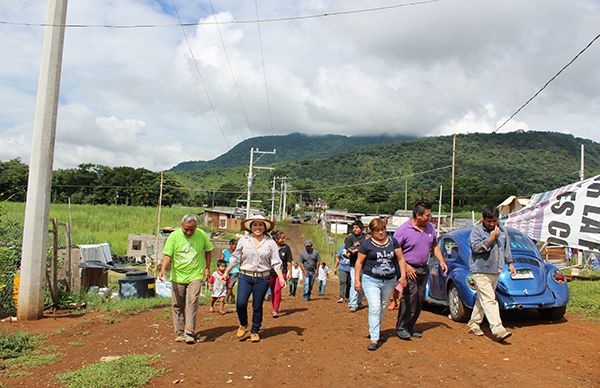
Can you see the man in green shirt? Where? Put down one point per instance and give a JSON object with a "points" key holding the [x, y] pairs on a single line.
{"points": [[188, 250]]}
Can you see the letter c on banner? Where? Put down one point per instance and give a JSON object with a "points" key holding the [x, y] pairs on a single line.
{"points": [[559, 229]]}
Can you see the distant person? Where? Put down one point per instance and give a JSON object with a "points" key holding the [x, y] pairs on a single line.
{"points": [[188, 251], [351, 243], [235, 272], [309, 262], [490, 250], [256, 253], [378, 258], [285, 254], [322, 278], [296, 276], [417, 238], [342, 269], [218, 286]]}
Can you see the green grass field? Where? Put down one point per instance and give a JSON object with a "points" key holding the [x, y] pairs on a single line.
{"points": [[102, 223]]}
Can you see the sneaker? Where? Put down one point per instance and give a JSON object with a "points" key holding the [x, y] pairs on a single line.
{"points": [[352, 309], [372, 346], [254, 337], [189, 339], [476, 330], [403, 334], [180, 338], [416, 334], [503, 335], [241, 331], [275, 314], [341, 300]]}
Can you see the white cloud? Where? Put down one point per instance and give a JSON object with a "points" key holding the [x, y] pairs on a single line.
{"points": [[134, 97]]}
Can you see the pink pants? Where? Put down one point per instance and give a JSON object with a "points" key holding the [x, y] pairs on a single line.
{"points": [[275, 287]]}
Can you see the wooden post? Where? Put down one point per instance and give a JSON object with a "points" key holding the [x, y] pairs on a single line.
{"points": [[452, 189], [157, 252]]}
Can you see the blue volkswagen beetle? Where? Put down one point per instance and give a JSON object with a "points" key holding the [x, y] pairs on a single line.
{"points": [[536, 285]]}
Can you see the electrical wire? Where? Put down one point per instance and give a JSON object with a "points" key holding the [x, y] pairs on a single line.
{"points": [[212, 107], [262, 56], [279, 19], [546, 84], [237, 88]]}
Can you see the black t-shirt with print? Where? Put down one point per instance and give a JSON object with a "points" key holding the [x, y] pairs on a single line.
{"points": [[380, 258]]}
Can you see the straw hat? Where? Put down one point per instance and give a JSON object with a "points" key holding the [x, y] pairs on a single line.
{"points": [[269, 224]]}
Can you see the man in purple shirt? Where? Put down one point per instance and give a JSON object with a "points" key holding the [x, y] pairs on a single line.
{"points": [[417, 238]]}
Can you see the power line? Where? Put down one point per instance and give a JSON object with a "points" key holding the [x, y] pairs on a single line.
{"points": [[547, 83], [257, 20], [262, 56], [212, 107], [230, 67]]}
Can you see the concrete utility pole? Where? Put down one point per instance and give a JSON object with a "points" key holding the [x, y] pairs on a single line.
{"points": [[284, 199], [35, 230], [251, 176]]}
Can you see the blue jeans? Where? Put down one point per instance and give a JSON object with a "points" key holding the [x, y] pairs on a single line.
{"points": [[355, 297], [309, 282], [257, 286], [378, 292], [322, 286], [293, 286]]}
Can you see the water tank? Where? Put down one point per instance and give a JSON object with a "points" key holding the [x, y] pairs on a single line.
{"points": [[137, 284]]}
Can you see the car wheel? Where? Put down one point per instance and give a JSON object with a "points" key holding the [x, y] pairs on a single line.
{"points": [[458, 311], [553, 314]]}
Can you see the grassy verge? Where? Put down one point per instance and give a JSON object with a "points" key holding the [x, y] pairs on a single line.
{"points": [[102, 223], [327, 244], [584, 298], [125, 306], [21, 351], [129, 371]]}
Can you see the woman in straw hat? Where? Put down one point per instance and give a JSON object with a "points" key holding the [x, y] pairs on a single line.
{"points": [[257, 253]]}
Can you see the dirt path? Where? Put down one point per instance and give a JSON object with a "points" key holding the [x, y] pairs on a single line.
{"points": [[321, 343]]}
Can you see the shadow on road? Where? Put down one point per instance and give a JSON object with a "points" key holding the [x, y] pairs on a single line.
{"points": [[215, 332], [279, 330], [287, 312]]}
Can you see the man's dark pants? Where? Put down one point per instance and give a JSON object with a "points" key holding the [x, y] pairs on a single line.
{"points": [[412, 301]]}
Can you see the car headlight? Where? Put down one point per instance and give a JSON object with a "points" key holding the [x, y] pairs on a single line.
{"points": [[558, 276], [470, 282]]}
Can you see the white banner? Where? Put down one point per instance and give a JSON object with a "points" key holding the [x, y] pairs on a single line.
{"points": [[568, 216]]}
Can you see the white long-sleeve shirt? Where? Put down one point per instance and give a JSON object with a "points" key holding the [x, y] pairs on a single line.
{"points": [[256, 259]]}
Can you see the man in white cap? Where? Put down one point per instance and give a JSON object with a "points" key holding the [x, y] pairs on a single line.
{"points": [[309, 262]]}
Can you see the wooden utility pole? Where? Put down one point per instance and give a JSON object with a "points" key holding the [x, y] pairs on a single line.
{"points": [[405, 195], [35, 226], [581, 170], [439, 211], [157, 252], [452, 189]]}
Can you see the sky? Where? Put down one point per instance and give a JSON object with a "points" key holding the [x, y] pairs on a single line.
{"points": [[137, 96]]}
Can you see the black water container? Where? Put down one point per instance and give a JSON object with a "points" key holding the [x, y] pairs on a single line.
{"points": [[137, 284]]}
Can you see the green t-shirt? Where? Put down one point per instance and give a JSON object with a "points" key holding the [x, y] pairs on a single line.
{"points": [[187, 255]]}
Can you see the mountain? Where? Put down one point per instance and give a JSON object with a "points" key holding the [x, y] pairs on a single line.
{"points": [[295, 146], [489, 167]]}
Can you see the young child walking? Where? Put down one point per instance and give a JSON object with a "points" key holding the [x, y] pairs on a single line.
{"points": [[296, 276], [322, 277], [218, 286]]}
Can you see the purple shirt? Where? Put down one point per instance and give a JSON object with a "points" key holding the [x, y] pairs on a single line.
{"points": [[415, 244]]}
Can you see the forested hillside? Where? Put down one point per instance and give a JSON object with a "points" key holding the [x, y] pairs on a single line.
{"points": [[489, 168], [295, 146]]}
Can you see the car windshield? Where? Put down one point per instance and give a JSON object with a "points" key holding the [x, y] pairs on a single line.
{"points": [[520, 241]]}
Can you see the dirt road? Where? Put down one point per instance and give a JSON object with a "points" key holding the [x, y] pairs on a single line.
{"points": [[320, 343]]}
